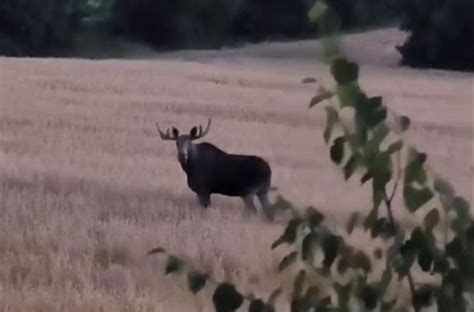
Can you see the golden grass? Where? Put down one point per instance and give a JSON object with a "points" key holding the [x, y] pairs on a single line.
{"points": [[87, 187]]}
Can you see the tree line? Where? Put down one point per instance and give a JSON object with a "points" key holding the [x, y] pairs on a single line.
{"points": [[441, 32]]}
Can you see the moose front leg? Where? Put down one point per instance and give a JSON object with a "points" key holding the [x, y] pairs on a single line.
{"points": [[204, 199]]}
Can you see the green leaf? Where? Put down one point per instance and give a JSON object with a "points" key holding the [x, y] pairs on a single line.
{"points": [[298, 284], [378, 253], [274, 295], [297, 305], [404, 123], [370, 220], [381, 171], [361, 260], [415, 198], [454, 248], [443, 187], [309, 80], [196, 281], [343, 296], [347, 94], [385, 280], [156, 250], [361, 128], [344, 71], [287, 261], [282, 204], [325, 301], [461, 206], [378, 194], [366, 177], [317, 12], [450, 297], [173, 264], [388, 306], [337, 150], [423, 296], [425, 260], [257, 305], [342, 265], [320, 97], [369, 112], [470, 233], [441, 265], [289, 235], [375, 102], [350, 167], [352, 222], [307, 246], [418, 238], [330, 246], [332, 116], [414, 171], [377, 117], [401, 266], [431, 219], [369, 296], [226, 298], [327, 134], [383, 228], [311, 297], [395, 147], [379, 134], [314, 216]]}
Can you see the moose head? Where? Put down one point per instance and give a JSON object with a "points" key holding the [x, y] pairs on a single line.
{"points": [[184, 142]]}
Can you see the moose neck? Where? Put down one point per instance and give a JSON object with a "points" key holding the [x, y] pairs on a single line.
{"points": [[188, 163]]}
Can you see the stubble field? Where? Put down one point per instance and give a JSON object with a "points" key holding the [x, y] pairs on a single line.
{"points": [[87, 187]]}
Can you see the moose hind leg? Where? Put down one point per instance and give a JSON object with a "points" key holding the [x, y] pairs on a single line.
{"points": [[265, 203], [204, 200], [249, 203]]}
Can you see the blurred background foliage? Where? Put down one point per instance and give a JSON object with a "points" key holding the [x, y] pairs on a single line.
{"points": [[441, 32]]}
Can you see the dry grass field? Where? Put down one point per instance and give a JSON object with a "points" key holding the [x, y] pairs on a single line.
{"points": [[87, 187]]}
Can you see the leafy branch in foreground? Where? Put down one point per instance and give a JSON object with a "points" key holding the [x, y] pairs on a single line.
{"points": [[226, 297], [366, 143], [336, 276], [333, 275]]}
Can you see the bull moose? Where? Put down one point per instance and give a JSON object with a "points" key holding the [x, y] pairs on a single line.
{"points": [[210, 170]]}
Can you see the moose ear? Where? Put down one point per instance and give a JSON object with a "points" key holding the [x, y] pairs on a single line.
{"points": [[175, 132], [193, 132]]}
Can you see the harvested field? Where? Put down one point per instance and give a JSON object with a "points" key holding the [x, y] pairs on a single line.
{"points": [[87, 187]]}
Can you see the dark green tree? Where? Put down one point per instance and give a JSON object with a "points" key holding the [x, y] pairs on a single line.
{"points": [[258, 20], [441, 34], [37, 27], [174, 23]]}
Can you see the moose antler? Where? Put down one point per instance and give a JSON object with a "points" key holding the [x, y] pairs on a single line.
{"points": [[201, 133], [164, 136]]}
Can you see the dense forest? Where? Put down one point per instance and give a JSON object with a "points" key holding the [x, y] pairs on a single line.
{"points": [[441, 32]]}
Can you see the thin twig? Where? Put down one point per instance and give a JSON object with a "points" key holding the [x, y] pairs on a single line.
{"points": [[399, 174], [411, 283], [412, 290]]}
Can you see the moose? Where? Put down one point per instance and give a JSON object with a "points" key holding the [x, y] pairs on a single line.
{"points": [[210, 170]]}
